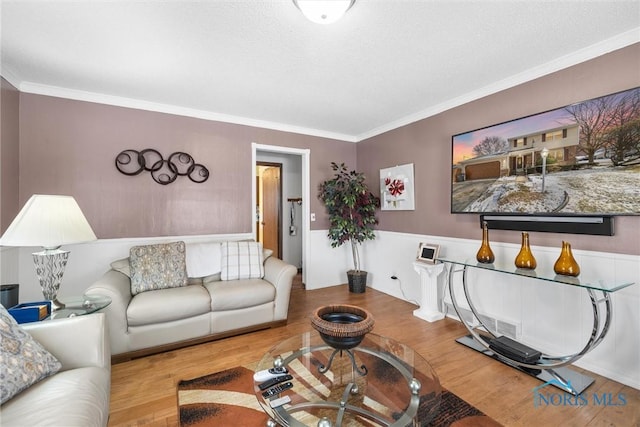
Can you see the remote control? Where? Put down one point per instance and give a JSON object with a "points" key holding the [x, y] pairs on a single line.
{"points": [[273, 391], [273, 381], [275, 403], [267, 374]]}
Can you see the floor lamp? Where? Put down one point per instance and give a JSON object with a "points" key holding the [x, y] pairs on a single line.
{"points": [[49, 222]]}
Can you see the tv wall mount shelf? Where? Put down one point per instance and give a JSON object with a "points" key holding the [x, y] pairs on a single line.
{"points": [[601, 225], [552, 369]]}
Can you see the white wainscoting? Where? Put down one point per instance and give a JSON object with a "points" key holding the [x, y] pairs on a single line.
{"points": [[556, 319], [89, 261], [9, 265]]}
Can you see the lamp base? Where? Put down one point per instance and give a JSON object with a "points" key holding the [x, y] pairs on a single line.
{"points": [[56, 305], [50, 265]]}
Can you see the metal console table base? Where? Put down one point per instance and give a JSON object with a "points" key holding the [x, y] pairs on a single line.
{"points": [[563, 378]]}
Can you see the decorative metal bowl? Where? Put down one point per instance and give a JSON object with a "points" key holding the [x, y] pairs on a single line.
{"points": [[342, 326]]}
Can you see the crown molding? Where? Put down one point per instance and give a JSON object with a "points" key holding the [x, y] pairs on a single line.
{"points": [[10, 76], [618, 42], [99, 98]]}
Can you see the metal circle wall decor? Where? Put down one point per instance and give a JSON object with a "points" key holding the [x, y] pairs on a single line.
{"points": [[151, 159], [181, 163], [125, 162], [199, 174], [164, 172]]}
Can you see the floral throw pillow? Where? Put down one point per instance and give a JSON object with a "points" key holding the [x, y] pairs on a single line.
{"points": [[23, 360], [242, 260], [158, 266]]}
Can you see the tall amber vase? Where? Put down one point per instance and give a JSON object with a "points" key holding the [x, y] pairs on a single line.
{"points": [[566, 263], [525, 258], [485, 254]]}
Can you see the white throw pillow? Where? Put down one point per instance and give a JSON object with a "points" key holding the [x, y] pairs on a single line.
{"points": [[23, 360], [203, 259], [242, 260]]}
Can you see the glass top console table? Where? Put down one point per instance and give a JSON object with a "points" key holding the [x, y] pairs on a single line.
{"points": [[380, 382], [547, 368]]}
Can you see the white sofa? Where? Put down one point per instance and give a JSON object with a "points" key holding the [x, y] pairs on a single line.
{"points": [[78, 394], [206, 308]]}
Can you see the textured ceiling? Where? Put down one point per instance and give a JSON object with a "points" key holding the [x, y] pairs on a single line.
{"points": [[385, 64]]}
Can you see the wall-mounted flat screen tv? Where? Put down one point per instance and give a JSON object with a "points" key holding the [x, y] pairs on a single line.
{"points": [[582, 159]]}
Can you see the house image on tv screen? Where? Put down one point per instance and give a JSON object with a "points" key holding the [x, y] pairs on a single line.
{"points": [[523, 155]]}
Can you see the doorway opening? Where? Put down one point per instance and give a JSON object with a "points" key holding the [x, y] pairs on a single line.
{"points": [[293, 201]]}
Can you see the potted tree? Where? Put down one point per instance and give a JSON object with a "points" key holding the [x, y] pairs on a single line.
{"points": [[352, 215]]}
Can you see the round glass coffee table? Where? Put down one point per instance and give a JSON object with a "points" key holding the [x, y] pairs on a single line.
{"points": [[380, 382]]}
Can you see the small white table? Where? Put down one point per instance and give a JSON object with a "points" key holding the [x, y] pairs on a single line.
{"points": [[430, 291]]}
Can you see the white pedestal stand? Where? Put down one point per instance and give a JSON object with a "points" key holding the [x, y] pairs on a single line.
{"points": [[429, 297]]}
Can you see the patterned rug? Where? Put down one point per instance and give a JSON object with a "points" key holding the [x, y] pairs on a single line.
{"points": [[226, 399]]}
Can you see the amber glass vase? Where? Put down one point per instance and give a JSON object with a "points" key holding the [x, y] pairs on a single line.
{"points": [[525, 258], [485, 254], [566, 263]]}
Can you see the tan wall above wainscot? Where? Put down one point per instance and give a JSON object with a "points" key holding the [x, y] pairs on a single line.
{"points": [[427, 144]]}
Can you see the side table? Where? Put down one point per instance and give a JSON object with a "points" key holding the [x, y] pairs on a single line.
{"points": [[431, 293], [80, 306]]}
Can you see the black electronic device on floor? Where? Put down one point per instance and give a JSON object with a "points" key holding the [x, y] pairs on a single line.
{"points": [[514, 350]]}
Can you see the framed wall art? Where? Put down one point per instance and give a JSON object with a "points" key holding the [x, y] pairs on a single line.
{"points": [[397, 189], [428, 253]]}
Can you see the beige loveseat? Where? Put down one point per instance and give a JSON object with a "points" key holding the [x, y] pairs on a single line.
{"points": [[78, 393], [211, 303]]}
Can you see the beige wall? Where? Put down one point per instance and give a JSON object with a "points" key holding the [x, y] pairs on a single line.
{"points": [[9, 154], [427, 144], [69, 147]]}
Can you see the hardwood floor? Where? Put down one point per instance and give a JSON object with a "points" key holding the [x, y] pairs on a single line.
{"points": [[143, 391]]}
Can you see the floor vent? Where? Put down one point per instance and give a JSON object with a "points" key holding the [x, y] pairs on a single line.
{"points": [[512, 330], [468, 316]]}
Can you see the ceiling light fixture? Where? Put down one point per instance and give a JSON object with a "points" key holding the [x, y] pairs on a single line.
{"points": [[323, 11]]}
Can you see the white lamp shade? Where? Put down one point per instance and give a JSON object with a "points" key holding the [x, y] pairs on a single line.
{"points": [[48, 221], [323, 11]]}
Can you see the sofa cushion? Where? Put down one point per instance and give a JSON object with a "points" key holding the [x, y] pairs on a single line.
{"points": [[204, 259], [157, 266], [23, 360], [242, 260], [235, 294], [73, 398], [166, 305], [213, 278], [123, 266]]}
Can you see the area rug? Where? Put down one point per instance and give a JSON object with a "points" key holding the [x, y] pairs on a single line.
{"points": [[226, 399]]}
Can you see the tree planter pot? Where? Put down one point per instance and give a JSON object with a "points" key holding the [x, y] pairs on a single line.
{"points": [[357, 281]]}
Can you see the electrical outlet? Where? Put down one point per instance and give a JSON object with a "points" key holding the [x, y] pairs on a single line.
{"points": [[313, 217]]}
